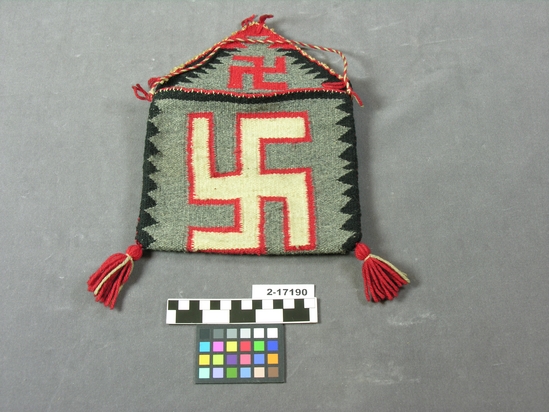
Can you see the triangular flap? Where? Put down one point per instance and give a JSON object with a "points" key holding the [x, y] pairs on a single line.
{"points": [[253, 60]]}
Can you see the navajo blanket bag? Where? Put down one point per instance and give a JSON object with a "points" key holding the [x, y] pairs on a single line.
{"points": [[250, 148]]}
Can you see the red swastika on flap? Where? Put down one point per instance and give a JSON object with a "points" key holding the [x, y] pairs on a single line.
{"points": [[257, 70], [251, 185]]}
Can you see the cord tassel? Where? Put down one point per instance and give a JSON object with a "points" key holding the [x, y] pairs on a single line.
{"points": [[382, 280], [141, 93], [108, 280]]}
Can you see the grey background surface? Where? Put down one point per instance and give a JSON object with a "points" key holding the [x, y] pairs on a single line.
{"points": [[454, 180]]}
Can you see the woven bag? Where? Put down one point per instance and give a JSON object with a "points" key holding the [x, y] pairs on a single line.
{"points": [[250, 149]]}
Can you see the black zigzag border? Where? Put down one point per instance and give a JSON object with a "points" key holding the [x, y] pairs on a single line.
{"points": [[145, 219], [193, 74], [313, 68], [352, 207]]}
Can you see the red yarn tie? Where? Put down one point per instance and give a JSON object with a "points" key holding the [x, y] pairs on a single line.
{"points": [[382, 280], [141, 93], [113, 273]]}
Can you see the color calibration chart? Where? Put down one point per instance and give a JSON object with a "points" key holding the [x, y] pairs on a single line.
{"points": [[243, 340], [240, 354]]}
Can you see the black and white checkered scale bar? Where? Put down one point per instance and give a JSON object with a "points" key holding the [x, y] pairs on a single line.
{"points": [[226, 311]]}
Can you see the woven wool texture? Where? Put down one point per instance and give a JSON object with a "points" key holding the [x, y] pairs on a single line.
{"points": [[251, 153]]}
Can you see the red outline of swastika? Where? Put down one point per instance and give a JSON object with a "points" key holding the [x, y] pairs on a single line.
{"points": [[251, 185], [258, 70]]}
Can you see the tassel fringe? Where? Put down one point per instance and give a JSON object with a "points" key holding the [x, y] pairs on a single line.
{"points": [[108, 280], [382, 280]]}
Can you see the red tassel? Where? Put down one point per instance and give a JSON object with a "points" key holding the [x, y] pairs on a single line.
{"points": [[382, 280], [113, 273], [249, 20], [265, 17], [141, 93]]}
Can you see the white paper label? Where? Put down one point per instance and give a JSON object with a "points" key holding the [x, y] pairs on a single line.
{"points": [[282, 291]]}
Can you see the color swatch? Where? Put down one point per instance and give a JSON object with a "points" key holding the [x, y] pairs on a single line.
{"points": [[240, 354]]}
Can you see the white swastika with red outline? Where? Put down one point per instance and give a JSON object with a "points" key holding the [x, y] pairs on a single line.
{"points": [[251, 184]]}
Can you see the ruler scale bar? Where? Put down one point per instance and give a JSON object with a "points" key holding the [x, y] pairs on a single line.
{"points": [[228, 311]]}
